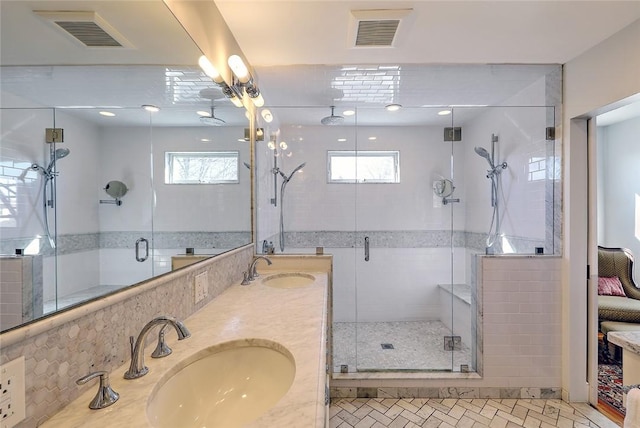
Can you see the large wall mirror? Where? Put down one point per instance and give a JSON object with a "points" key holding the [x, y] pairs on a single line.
{"points": [[120, 192]]}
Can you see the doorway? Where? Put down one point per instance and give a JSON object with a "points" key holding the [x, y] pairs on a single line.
{"points": [[614, 223]]}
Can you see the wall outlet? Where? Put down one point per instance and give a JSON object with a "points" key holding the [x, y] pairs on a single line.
{"points": [[12, 397], [201, 286]]}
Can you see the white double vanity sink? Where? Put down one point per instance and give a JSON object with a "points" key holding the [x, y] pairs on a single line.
{"points": [[256, 357]]}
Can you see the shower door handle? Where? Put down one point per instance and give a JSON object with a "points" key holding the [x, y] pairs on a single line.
{"points": [[366, 248], [146, 250]]}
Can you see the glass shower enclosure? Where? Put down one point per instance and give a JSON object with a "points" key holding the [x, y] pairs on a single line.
{"points": [[405, 201]]}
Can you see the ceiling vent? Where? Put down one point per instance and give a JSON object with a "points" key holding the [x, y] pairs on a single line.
{"points": [[86, 27], [376, 33], [376, 27]]}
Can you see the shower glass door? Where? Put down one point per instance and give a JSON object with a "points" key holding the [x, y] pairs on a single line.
{"points": [[408, 211], [97, 237]]}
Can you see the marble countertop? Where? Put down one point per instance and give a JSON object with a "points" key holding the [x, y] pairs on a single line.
{"points": [[295, 318], [629, 340]]}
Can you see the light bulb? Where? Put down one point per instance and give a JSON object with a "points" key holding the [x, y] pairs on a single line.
{"points": [[236, 101], [209, 69], [258, 101], [239, 69]]}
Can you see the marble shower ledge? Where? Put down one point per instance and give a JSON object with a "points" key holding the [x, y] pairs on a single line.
{"points": [[294, 318]]}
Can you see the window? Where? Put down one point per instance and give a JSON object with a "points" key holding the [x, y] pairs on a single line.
{"points": [[12, 174], [201, 167], [364, 166]]}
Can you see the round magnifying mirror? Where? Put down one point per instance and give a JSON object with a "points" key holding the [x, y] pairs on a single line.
{"points": [[116, 189], [443, 188]]}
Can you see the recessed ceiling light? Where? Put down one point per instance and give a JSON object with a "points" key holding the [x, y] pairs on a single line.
{"points": [[444, 112], [393, 107], [107, 113], [205, 140], [151, 108], [373, 138], [349, 112], [342, 140]]}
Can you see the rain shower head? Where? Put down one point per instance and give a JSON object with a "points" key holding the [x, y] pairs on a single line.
{"points": [[212, 119], [333, 119]]}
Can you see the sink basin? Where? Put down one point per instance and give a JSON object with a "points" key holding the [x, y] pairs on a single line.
{"points": [[289, 280], [227, 385]]}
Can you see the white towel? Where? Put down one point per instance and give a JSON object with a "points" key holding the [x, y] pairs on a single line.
{"points": [[632, 420]]}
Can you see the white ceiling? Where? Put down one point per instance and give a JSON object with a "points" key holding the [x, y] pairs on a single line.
{"points": [[43, 66], [301, 49], [293, 32], [298, 48]]}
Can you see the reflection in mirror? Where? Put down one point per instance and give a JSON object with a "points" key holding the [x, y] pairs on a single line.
{"points": [[62, 242]]}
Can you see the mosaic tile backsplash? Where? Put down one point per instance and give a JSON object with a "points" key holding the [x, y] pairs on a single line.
{"points": [[62, 348]]}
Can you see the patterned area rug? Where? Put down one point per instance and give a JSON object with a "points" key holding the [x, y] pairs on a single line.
{"points": [[610, 386], [609, 379]]}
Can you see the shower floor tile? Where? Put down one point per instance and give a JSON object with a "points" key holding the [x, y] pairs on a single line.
{"points": [[77, 297], [417, 345]]}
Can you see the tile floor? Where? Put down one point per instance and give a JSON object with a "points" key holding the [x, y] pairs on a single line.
{"points": [[417, 345], [465, 413]]}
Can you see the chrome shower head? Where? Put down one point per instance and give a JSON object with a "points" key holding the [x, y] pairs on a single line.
{"points": [[61, 153], [298, 168], [333, 119], [58, 154], [481, 151]]}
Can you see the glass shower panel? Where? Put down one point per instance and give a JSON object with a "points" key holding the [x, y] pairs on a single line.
{"points": [[202, 191], [25, 190], [97, 235], [406, 212], [511, 169], [316, 206]]}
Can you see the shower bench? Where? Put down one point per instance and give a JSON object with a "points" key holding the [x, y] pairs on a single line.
{"points": [[460, 307]]}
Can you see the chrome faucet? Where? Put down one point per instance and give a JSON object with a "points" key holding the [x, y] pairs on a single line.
{"points": [[137, 368], [252, 273]]}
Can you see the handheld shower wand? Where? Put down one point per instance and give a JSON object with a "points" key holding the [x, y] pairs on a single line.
{"points": [[493, 174], [50, 173], [285, 180]]}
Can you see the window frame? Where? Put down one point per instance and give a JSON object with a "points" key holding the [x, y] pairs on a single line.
{"points": [[171, 156], [395, 154]]}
